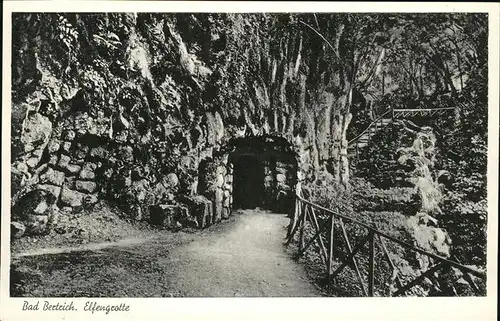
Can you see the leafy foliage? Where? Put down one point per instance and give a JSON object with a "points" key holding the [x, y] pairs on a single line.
{"points": [[378, 162]]}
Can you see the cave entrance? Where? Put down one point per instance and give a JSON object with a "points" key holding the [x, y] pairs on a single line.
{"points": [[248, 182], [264, 175]]}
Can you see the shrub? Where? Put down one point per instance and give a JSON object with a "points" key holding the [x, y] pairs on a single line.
{"points": [[400, 199], [466, 222], [349, 202], [378, 162]]}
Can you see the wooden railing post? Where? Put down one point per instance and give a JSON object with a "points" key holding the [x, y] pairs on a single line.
{"points": [[320, 239], [330, 246], [354, 262], [371, 267], [419, 279], [293, 221], [294, 225], [395, 271], [302, 227]]}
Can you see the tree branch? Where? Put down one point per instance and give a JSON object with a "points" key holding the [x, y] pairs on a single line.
{"points": [[316, 20], [322, 37], [412, 77], [445, 73], [297, 62], [371, 73]]}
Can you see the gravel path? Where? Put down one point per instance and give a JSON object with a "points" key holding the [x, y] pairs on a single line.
{"points": [[243, 256]]}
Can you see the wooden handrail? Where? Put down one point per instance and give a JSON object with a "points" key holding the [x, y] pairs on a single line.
{"points": [[393, 110], [476, 272], [369, 126], [424, 109]]}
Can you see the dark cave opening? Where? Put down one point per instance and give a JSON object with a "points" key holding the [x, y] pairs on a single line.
{"points": [[265, 174], [248, 182]]}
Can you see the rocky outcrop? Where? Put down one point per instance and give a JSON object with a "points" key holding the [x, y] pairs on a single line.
{"points": [[33, 213], [17, 229], [201, 209], [150, 121], [71, 198], [172, 216]]}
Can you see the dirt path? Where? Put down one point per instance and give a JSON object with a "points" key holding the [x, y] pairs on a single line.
{"points": [[243, 256], [82, 248]]}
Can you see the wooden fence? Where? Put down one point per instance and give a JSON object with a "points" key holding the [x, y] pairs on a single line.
{"points": [[331, 223]]}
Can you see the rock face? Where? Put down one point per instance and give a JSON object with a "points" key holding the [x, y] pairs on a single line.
{"points": [[17, 229], [52, 177], [53, 190], [71, 198], [85, 186], [32, 213], [88, 171], [172, 216], [162, 144], [36, 132], [201, 209], [33, 203]]}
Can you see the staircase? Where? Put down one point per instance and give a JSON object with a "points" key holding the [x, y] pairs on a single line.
{"points": [[363, 139], [366, 136]]}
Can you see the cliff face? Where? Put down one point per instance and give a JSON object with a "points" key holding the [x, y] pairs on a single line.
{"points": [[148, 110]]}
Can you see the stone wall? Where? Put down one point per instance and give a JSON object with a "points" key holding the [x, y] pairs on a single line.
{"points": [[66, 167]]}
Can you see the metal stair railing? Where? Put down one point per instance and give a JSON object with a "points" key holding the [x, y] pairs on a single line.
{"points": [[355, 140], [375, 122]]}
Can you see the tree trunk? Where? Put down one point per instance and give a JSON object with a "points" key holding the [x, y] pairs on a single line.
{"points": [[336, 146], [383, 83], [339, 155], [421, 92], [344, 157]]}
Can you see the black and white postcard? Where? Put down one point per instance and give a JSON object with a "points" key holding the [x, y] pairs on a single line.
{"points": [[249, 160]]}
